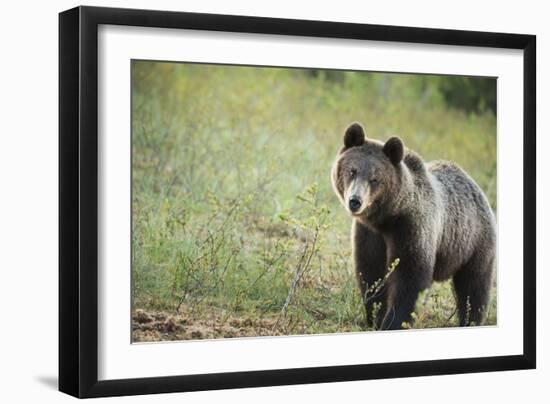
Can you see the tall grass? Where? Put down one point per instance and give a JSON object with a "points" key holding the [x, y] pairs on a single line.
{"points": [[234, 218]]}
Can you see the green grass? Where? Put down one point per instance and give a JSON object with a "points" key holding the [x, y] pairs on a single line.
{"points": [[232, 204]]}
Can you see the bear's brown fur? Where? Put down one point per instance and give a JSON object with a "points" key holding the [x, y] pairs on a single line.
{"points": [[433, 217]]}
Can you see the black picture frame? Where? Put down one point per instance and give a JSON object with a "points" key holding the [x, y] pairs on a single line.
{"points": [[78, 201]]}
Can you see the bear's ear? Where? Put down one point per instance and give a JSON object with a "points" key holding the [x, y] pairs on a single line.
{"points": [[354, 136], [394, 149]]}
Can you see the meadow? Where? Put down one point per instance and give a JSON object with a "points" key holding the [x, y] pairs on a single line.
{"points": [[235, 228]]}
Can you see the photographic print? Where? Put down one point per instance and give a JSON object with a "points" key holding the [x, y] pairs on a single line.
{"points": [[271, 201]]}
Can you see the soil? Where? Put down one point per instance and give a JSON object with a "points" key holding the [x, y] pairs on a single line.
{"points": [[150, 326]]}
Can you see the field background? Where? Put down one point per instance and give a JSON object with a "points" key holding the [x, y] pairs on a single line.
{"points": [[236, 230]]}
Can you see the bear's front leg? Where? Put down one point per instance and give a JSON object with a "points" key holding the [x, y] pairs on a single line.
{"points": [[369, 257], [403, 291], [412, 275]]}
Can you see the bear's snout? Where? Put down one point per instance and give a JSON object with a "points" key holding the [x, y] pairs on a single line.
{"points": [[354, 203]]}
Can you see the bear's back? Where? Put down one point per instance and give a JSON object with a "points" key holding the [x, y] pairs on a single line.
{"points": [[459, 188]]}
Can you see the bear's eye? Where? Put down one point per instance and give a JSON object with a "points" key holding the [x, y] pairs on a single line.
{"points": [[352, 173], [373, 180]]}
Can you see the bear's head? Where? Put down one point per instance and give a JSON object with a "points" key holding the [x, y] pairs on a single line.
{"points": [[367, 174]]}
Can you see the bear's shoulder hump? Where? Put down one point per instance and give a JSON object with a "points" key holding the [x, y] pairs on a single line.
{"points": [[414, 162]]}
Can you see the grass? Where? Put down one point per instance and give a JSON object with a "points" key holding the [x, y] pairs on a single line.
{"points": [[236, 230]]}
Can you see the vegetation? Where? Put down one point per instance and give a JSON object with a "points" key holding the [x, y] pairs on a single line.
{"points": [[236, 230]]}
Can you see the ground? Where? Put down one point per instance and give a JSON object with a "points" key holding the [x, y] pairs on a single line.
{"points": [[436, 309]]}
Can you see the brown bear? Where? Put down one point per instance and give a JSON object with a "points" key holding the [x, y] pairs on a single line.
{"points": [[429, 221]]}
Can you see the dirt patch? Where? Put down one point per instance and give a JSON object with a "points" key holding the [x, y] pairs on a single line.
{"points": [[148, 326]]}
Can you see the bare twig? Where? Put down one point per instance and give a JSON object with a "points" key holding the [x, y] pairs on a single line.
{"points": [[301, 269]]}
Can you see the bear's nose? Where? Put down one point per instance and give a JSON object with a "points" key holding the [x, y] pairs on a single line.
{"points": [[354, 203]]}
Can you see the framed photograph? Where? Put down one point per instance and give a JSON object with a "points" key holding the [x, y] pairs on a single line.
{"points": [[251, 201]]}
